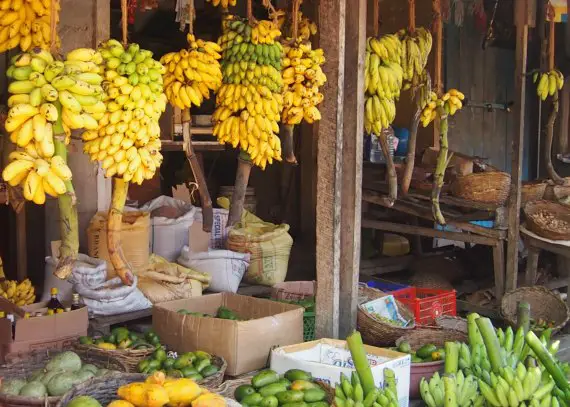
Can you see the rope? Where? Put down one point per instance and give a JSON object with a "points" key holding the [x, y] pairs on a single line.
{"points": [[438, 28], [376, 17], [53, 26], [295, 19], [412, 16], [191, 16], [124, 22], [249, 11]]}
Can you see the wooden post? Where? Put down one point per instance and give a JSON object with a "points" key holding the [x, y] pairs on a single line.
{"points": [[521, 22], [351, 211], [331, 22], [438, 65]]}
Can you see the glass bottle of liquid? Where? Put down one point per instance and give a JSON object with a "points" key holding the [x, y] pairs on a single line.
{"points": [[75, 302], [54, 303]]}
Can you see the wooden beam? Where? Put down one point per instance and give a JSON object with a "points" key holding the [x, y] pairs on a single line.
{"points": [[415, 230], [21, 245], [521, 22], [331, 22], [353, 123]]}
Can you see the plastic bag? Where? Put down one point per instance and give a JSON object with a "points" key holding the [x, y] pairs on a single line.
{"points": [[225, 267], [169, 235], [219, 233]]}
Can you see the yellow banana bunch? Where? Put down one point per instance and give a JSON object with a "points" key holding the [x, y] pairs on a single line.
{"points": [[39, 84], [249, 102], [223, 3], [451, 102], [127, 138], [415, 52], [191, 74], [302, 77], [26, 24], [383, 81], [548, 83], [22, 293], [2, 275], [305, 29]]}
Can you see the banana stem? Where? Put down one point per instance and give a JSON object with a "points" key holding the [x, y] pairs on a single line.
{"points": [[289, 145], [549, 138], [205, 199], [114, 225], [390, 168], [442, 162], [240, 187], [68, 223], [411, 155]]}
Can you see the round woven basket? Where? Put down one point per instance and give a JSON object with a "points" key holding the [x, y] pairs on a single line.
{"points": [[535, 211], [544, 304], [532, 191], [488, 187], [105, 391], [20, 366], [452, 323], [375, 331], [421, 336], [129, 357]]}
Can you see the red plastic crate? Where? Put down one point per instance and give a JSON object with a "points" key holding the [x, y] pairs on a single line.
{"points": [[427, 304]]}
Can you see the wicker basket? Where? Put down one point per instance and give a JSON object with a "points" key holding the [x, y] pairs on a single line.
{"points": [[544, 304], [129, 357], [452, 323], [421, 336], [105, 391], [489, 187], [558, 211], [22, 365], [532, 191], [374, 331]]}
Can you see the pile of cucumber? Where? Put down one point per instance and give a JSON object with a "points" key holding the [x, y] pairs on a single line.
{"points": [[295, 388]]}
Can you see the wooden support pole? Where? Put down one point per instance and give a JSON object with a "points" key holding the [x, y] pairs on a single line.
{"points": [[438, 65], [521, 22], [331, 22], [351, 204]]}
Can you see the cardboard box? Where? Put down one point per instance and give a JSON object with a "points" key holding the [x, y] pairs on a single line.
{"points": [[47, 332], [326, 359], [246, 345]]}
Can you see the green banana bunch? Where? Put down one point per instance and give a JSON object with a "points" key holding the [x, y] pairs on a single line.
{"points": [[517, 387], [350, 393], [460, 389], [548, 83], [416, 47]]}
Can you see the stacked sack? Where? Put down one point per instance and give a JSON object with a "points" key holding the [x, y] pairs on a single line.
{"points": [[126, 139], [49, 97]]}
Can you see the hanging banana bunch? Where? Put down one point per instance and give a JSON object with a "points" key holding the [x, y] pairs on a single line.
{"points": [[306, 28], [47, 94], [222, 3], [26, 24], [126, 139], [548, 83], [416, 48], [249, 102], [191, 74], [451, 102], [383, 81]]}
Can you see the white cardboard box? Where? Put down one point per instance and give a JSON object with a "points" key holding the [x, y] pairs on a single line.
{"points": [[326, 359]]}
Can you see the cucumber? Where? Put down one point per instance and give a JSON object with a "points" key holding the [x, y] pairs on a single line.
{"points": [[313, 395], [272, 389], [254, 399], [264, 378], [290, 396]]}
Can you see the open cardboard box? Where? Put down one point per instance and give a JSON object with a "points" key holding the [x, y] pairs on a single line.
{"points": [[47, 332], [245, 345], [326, 359]]}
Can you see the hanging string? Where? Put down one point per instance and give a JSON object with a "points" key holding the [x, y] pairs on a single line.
{"points": [[412, 16], [249, 11], [551, 36], [295, 19], [53, 26], [376, 17], [124, 22], [191, 16], [438, 28]]}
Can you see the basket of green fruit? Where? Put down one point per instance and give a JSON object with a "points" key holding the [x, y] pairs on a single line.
{"points": [[203, 368], [127, 346], [40, 378]]}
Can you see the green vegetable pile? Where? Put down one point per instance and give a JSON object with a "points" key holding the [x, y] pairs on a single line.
{"points": [[295, 389], [427, 353], [122, 338], [222, 313], [58, 376], [191, 365]]}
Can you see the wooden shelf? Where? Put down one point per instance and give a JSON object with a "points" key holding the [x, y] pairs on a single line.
{"points": [[199, 146]]}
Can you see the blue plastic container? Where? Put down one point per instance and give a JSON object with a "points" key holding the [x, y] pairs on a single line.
{"points": [[403, 136], [385, 286]]}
